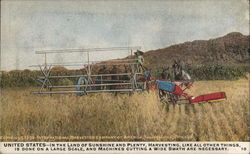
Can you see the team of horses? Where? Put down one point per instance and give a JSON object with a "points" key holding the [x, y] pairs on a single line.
{"points": [[176, 71]]}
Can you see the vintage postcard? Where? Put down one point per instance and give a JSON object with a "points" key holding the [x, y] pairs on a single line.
{"points": [[90, 76]]}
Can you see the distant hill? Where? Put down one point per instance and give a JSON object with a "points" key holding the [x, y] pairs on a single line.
{"points": [[232, 48]]}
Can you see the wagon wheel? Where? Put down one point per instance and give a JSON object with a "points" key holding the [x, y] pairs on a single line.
{"points": [[173, 98], [141, 83], [168, 98], [82, 81], [163, 97]]}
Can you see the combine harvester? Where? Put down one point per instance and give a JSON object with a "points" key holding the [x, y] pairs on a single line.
{"points": [[133, 79]]}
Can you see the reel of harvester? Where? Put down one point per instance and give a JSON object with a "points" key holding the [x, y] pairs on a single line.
{"points": [[109, 79]]}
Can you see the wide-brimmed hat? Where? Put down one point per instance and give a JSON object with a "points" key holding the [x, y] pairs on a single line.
{"points": [[139, 53]]}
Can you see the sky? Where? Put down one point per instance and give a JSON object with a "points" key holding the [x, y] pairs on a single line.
{"points": [[31, 25]]}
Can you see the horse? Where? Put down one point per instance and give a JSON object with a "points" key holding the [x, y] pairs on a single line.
{"points": [[165, 74], [179, 72]]}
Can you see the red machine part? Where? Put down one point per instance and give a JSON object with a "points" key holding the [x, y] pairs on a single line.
{"points": [[178, 90], [218, 96], [208, 97]]}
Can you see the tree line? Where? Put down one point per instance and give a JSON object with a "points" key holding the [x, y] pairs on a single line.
{"points": [[27, 78]]}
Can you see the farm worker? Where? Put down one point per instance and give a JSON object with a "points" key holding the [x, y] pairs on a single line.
{"points": [[139, 56], [140, 59], [147, 75]]}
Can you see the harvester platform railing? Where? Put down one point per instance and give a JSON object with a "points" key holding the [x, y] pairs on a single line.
{"points": [[89, 50], [94, 85], [91, 91], [84, 64], [90, 62], [93, 75]]}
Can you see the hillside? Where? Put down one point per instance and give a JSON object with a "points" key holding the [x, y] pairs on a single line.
{"points": [[220, 59], [232, 48]]}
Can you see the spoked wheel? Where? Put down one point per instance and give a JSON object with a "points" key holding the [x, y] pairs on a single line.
{"points": [[142, 85], [83, 89], [162, 96], [168, 98]]}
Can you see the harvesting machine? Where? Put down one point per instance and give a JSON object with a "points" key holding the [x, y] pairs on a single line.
{"points": [[173, 92], [89, 81], [133, 78]]}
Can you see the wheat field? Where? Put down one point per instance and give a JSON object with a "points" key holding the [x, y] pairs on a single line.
{"points": [[137, 117]]}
